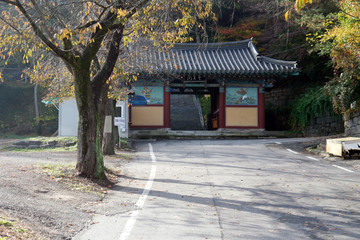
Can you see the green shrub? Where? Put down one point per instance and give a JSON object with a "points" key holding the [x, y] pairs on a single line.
{"points": [[313, 103]]}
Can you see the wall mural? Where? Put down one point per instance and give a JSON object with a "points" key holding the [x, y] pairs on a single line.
{"points": [[153, 95], [241, 96]]}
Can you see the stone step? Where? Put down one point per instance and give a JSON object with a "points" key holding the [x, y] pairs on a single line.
{"points": [[184, 113]]}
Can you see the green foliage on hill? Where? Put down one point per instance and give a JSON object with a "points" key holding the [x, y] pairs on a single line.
{"points": [[313, 103], [17, 111]]}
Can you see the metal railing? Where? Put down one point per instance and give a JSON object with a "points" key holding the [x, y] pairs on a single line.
{"points": [[197, 104]]}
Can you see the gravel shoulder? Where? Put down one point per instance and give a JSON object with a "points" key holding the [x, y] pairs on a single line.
{"points": [[46, 206]]}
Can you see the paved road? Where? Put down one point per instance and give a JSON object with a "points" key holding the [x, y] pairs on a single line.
{"points": [[229, 189]]}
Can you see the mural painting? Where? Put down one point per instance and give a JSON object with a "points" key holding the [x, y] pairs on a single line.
{"points": [[153, 95], [241, 96]]}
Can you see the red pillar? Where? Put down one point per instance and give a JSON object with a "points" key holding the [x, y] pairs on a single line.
{"points": [[261, 108], [222, 107], [167, 107]]}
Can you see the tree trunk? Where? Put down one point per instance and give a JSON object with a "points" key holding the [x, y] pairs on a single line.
{"points": [[38, 122], [90, 162], [109, 138], [36, 102]]}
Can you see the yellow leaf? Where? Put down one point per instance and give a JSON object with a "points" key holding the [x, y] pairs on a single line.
{"points": [[121, 13], [287, 15]]}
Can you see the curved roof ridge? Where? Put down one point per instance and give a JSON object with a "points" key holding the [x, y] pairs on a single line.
{"points": [[243, 43], [276, 61], [253, 50], [234, 44]]}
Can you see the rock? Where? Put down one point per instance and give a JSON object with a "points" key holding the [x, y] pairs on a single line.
{"points": [[41, 191], [33, 146], [69, 144], [21, 143], [35, 143], [18, 146], [47, 146], [27, 144], [52, 143]]}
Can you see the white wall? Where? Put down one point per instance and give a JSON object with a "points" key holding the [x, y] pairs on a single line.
{"points": [[68, 118]]}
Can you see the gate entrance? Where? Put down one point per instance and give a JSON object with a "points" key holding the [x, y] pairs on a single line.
{"points": [[194, 109], [185, 112]]}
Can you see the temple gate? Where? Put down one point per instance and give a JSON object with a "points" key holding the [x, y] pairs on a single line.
{"points": [[234, 74]]}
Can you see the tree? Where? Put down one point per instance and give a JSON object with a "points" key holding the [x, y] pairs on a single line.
{"points": [[337, 36], [299, 4], [343, 41], [88, 36]]}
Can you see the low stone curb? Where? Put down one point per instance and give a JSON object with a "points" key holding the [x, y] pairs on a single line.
{"points": [[39, 144]]}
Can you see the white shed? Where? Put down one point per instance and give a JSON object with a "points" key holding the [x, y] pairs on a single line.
{"points": [[68, 118]]}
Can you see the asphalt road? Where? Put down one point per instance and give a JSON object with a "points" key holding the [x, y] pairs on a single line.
{"points": [[229, 189]]}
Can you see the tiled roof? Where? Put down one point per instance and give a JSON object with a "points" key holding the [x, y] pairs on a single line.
{"points": [[231, 58]]}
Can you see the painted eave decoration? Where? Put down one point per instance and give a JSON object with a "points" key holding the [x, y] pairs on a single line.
{"points": [[230, 58]]}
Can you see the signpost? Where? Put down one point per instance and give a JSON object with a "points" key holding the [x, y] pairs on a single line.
{"points": [[121, 120]]}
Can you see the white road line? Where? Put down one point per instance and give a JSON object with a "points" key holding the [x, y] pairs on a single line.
{"points": [[312, 158], [279, 143], [292, 151], [345, 169], [140, 203]]}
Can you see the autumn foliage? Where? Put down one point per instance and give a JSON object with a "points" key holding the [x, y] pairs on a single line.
{"points": [[245, 29]]}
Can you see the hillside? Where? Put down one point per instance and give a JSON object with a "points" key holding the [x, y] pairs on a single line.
{"points": [[17, 109]]}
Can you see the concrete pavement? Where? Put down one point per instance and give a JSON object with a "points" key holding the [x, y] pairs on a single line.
{"points": [[229, 189]]}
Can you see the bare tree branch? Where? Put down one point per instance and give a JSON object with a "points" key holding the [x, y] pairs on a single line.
{"points": [[112, 55], [114, 49], [86, 25], [9, 2], [97, 38], [11, 25], [91, 23], [42, 20], [41, 35]]}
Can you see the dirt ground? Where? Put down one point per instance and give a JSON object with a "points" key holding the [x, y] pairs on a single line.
{"points": [[44, 205]]}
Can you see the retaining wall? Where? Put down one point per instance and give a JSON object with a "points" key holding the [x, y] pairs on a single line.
{"points": [[352, 123], [325, 125], [278, 111]]}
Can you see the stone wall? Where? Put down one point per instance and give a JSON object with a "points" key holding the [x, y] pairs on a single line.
{"points": [[278, 111], [325, 125], [279, 96], [277, 108], [352, 123]]}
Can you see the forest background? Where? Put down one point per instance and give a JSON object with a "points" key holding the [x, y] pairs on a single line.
{"points": [[322, 37]]}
